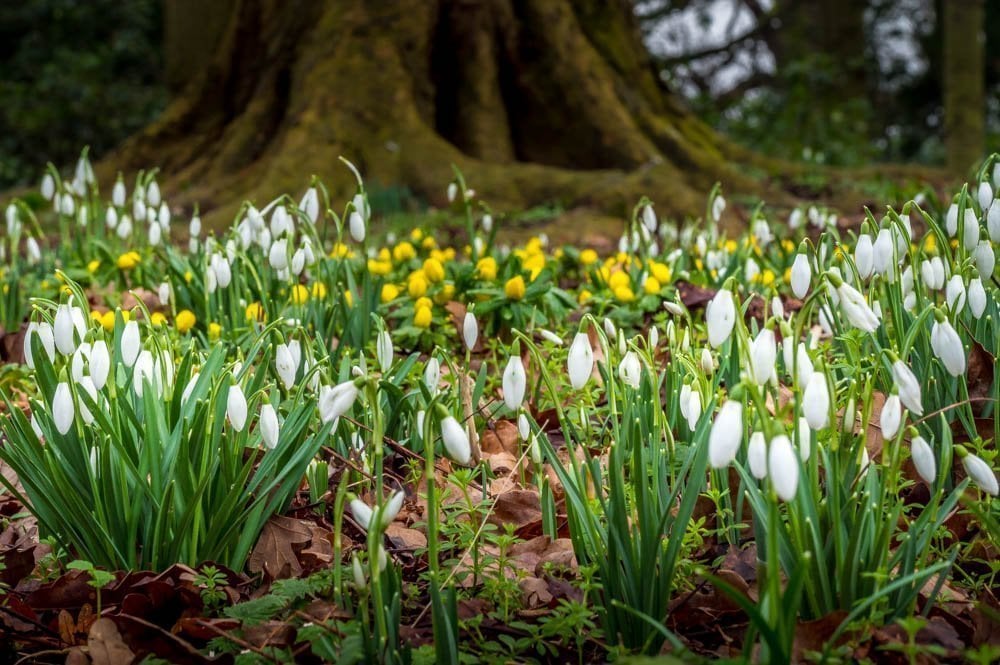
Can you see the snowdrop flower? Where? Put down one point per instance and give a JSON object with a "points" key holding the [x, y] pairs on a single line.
{"points": [[720, 315], [929, 275], [955, 294], [783, 468], [883, 252], [630, 370], [456, 440], [763, 354], [269, 425], [487, 223], [979, 471], [951, 220], [801, 276], [80, 356], [432, 374], [62, 408], [795, 219], [816, 401], [727, 434], [649, 217], [236, 407], [804, 365], [550, 336], [163, 292], [609, 329], [523, 426], [908, 387], [310, 204], [757, 455], [44, 332], [285, 364], [707, 362], [130, 344], [278, 255], [194, 226], [452, 192], [142, 372], [891, 417], [111, 218], [153, 193], [804, 439], [853, 304], [986, 260], [778, 307], [384, 351], [356, 224], [470, 330], [139, 209], [985, 195], [33, 250], [64, 328], [87, 386], [970, 230], [124, 230], [947, 346], [694, 409], [514, 382], [298, 262], [718, 206], [280, 222], [580, 361], [221, 269], [993, 220], [977, 298], [362, 513], [337, 400], [68, 205], [118, 193], [48, 187], [100, 363], [685, 399]]}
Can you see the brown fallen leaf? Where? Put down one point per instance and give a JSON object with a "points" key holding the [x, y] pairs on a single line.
{"points": [[403, 538], [105, 645], [274, 554], [501, 438], [517, 507]]}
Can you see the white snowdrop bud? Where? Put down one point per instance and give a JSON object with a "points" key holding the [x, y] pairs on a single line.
{"points": [[470, 330], [63, 330], [891, 417], [801, 276], [100, 363], [908, 386], [804, 365], [649, 217], [955, 294], [155, 233], [951, 220], [48, 187], [337, 400], [222, 270], [720, 314], [923, 459], [947, 346], [285, 365], [630, 369], [298, 261], [391, 508], [118, 193], [981, 474], [153, 193], [757, 455], [63, 410], [684, 400], [523, 427], [269, 427], [87, 386], [986, 260], [985, 195], [694, 409], [977, 297], [487, 223], [707, 362], [130, 343], [164, 293], [882, 252], [456, 440], [68, 205], [362, 513], [993, 220], [452, 192], [124, 230], [856, 309], [816, 401], [432, 374], [33, 250], [550, 336], [580, 361], [194, 226], [164, 217], [803, 436], [514, 383], [236, 407], [727, 434], [718, 206], [970, 231], [783, 468], [142, 372], [778, 307], [80, 356], [384, 351], [763, 354], [278, 255], [310, 204], [356, 224]]}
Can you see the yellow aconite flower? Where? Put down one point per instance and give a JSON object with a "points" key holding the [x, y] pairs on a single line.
{"points": [[788, 246], [698, 264], [416, 234], [486, 268], [300, 294], [377, 267], [384, 254], [108, 321], [349, 298], [214, 330], [416, 284], [95, 315], [661, 271], [652, 285], [603, 275], [339, 251], [767, 277], [389, 292], [157, 318], [449, 254], [588, 256], [255, 312], [930, 243], [534, 264], [445, 295], [584, 296], [533, 246], [514, 288], [618, 280], [428, 243], [422, 317], [188, 276], [93, 266], [185, 321], [433, 270], [128, 260], [319, 291], [787, 277], [422, 302], [624, 294], [403, 251], [731, 246]]}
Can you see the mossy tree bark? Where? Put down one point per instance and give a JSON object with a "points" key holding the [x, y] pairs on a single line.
{"points": [[536, 101], [964, 83]]}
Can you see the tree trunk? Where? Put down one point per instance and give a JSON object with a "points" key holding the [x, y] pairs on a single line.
{"points": [[964, 83], [536, 101]]}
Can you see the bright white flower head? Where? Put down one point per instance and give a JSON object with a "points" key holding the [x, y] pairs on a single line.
{"points": [[580, 361], [783, 467], [923, 459], [981, 474], [757, 455], [727, 434], [720, 315], [891, 417], [630, 369], [908, 386], [456, 440], [801, 276], [763, 354], [269, 427], [236, 407], [816, 401], [63, 410], [947, 346], [470, 330], [514, 383]]}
